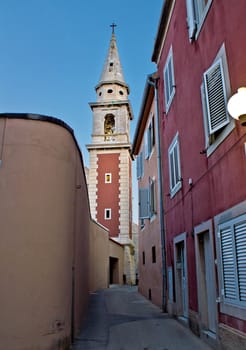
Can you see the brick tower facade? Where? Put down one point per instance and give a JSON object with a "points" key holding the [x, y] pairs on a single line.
{"points": [[110, 179]]}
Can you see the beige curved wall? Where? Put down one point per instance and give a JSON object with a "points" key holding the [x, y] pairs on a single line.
{"points": [[44, 216], [99, 256]]}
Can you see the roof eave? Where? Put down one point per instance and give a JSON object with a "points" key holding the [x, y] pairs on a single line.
{"points": [[161, 29], [148, 95]]}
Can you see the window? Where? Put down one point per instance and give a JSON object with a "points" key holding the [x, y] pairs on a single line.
{"points": [[107, 214], [232, 239], [214, 92], [149, 138], [196, 14], [147, 200], [108, 178], [143, 203], [140, 166], [153, 255], [215, 95], [152, 197], [174, 167], [143, 256], [169, 84]]}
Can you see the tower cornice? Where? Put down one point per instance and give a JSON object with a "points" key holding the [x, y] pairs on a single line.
{"points": [[108, 146], [114, 103], [111, 82]]}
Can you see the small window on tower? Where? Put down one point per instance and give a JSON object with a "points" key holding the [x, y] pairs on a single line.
{"points": [[121, 92], [110, 91], [111, 66], [109, 126], [107, 214], [108, 178]]}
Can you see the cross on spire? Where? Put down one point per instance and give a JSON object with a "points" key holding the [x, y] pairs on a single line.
{"points": [[113, 25]]}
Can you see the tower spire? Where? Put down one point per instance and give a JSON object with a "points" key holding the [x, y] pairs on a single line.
{"points": [[112, 71]]}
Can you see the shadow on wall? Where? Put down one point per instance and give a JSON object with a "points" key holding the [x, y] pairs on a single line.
{"points": [[45, 228]]}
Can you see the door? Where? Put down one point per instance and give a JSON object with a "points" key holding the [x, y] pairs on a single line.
{"points": [[113, 270], [181, 280], [206, 282]]}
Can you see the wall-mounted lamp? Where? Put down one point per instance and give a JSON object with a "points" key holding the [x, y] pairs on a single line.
{"points": [[237, 105]]}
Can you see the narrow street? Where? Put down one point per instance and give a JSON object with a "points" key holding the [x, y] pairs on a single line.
{"points": [[120, 318]]}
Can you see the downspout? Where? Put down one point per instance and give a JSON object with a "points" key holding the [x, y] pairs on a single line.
{"points": [[153, 80]]}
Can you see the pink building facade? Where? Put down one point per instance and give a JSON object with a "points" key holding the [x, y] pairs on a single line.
{"points": [[145, 151], [200, 55]]}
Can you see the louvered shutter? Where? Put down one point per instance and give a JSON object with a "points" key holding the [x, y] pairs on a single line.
{"points": [[143, 203], [216, 97], [166, 86], [228, 263], [146, 145], [140, 165], [191, 21], [240, 244]]}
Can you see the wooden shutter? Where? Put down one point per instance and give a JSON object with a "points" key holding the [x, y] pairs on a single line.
{"points": [[191, 20], [228, 263], [216, 97], [140, 165], [169, 85], [143, 203], [240, 244], [146, 144], [152, 197]]}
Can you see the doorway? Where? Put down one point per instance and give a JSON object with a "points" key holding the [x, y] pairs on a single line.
{"points": [[113, 270], [181, 282], [206, 282]]}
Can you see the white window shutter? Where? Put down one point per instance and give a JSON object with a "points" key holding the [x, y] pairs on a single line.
{"points": [[191, 20], [240, 243], [228, 263], [216, 100], [143, 203], [169, 83]]}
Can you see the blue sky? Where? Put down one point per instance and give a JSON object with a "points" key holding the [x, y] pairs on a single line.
{"points": [[52, 53]]}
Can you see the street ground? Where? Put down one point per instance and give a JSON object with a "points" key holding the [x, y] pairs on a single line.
{"points": [[119, 318]]}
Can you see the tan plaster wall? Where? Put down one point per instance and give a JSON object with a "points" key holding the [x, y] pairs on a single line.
{"points": [[99, 256], [116, 250], [44, 215]]}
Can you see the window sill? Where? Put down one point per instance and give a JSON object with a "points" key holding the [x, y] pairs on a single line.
{"points": [[228, 129], [175, 189], [233, 310]]}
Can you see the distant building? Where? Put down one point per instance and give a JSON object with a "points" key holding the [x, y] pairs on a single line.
{"points": [[110, 178], [145, 150], [200, 55]]}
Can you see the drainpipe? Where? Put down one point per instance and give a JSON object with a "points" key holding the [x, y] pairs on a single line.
{"points": [[153, 80]]}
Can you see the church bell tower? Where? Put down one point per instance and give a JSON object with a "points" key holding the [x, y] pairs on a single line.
{"points": [[110, 179]]}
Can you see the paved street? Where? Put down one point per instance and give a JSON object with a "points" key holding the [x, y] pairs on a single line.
{"points": [[121, 319]]}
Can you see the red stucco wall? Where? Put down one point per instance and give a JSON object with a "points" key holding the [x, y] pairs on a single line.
{"points": [[218, 180], [108, 193]]}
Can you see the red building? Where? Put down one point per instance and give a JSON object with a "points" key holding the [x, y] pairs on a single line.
{"points": [[200, 55]]}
